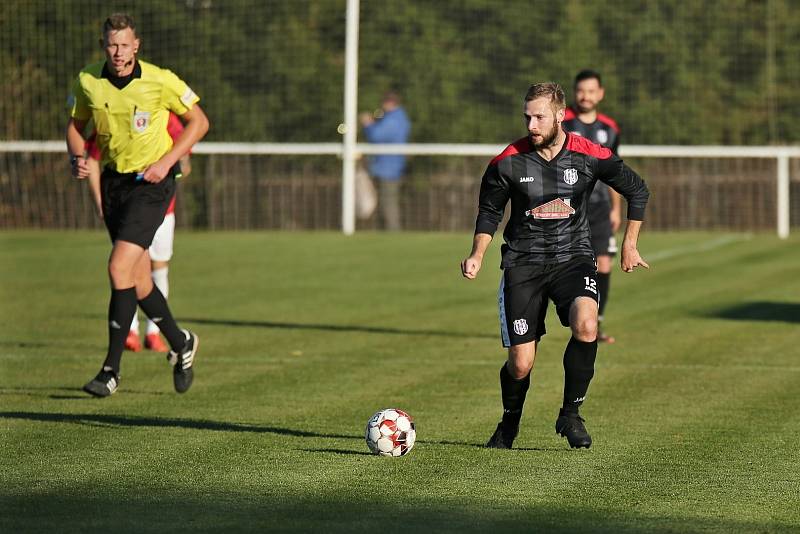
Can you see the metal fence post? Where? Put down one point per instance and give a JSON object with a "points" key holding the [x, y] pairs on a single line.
{"points": [[350, 127], [783, 195]]}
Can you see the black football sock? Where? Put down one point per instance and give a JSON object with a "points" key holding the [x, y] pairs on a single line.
{"points": [[578, 372], [603, 285], [513, 392], [155, 307], [120, 314]]}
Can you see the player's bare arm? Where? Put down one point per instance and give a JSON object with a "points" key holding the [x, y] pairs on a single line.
{"points": [[196, 127], [472, 264], [186, 165], [94, 185], [616, 210], [76, 147], [630, 258]]}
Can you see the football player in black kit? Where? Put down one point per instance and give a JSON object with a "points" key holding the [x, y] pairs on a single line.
{"points": [[548, 176], [583, 119]]}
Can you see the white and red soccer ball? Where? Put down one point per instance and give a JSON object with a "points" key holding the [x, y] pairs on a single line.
{"points": [[390, 432]]}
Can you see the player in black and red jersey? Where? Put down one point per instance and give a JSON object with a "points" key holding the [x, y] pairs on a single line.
{"points": [[582, 118], [549, 176]]}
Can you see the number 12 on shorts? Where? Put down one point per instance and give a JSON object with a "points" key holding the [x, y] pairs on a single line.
{"points": [[591, 284]]}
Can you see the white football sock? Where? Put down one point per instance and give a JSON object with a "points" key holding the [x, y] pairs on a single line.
{"points": [[135, 322], [161, 280]]}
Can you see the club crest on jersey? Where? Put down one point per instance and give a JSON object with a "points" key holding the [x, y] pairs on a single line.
{"points": [[141, 120], [570, 176], [555, 209], [602, 136], [520, 327]]}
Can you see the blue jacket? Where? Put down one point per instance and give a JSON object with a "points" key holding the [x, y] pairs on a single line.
{"points": [[394, 127]]}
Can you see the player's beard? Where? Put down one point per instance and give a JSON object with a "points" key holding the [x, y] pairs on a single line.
{"points": [[548, 139], [587, 108]]}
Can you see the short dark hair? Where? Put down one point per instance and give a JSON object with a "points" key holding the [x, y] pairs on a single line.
{"points": [[392, 96], [118, 21], [588, 74], [550, 90]]}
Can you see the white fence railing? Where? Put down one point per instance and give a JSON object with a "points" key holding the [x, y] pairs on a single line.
{"points": [[781, 154]]}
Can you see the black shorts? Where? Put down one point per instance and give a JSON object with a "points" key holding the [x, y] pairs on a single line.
{"points": [[525, 291], [134, 209], [602, 238]]}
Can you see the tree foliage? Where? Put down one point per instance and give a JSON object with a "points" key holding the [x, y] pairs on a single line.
{"points": [[676, 71]]}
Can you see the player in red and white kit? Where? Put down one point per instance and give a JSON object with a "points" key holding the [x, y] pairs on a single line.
{"points": [[160, 249], [583, 118]]}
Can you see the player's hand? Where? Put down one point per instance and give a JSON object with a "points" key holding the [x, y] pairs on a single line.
{"points": [[156, 172], [366, 118], [80, 168], [470, 267], [631, 259]]}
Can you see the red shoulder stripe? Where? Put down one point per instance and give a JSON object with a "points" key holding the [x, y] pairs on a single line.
{"points": [[605, 119], [569, 114], [576, 143], [520, 146]]}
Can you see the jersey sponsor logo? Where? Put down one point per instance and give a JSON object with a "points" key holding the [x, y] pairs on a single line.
{"points": [[555, 209], [188, 97], [570, 176], [520, 327], [527, 179], [602, 137], [141, 120]]}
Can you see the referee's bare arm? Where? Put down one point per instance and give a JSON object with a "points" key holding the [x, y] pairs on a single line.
{"points": [[196, 127], [76, 146], [471, 265]]}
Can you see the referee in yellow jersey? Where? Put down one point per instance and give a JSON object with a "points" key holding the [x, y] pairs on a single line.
{"points": [[129, 102]]}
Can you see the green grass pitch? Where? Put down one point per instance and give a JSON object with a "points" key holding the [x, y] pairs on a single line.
{"points": [[694, 412]]}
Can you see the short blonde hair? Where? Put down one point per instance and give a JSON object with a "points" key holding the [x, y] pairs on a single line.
{"points": [[550, 90], [118, 21]]}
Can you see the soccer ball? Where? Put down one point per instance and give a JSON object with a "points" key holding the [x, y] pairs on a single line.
{"points": [[390, 432]]}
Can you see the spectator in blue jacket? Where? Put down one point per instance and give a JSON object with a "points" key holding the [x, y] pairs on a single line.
{"points": [[389, 125]]}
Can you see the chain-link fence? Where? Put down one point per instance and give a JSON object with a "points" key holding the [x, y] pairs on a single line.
{"points": [[676, 72]]}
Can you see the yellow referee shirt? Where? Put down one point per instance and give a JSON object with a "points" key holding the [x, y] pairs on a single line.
{"points": [[131, 122]]}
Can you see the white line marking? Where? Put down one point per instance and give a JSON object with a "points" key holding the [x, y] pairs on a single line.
{"points": [[700, 247]]}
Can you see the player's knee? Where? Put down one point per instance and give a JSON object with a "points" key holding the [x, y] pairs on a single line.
{"points": [[520, 363], [519, 370], [585, 329], [120, 274], [604, 264]]}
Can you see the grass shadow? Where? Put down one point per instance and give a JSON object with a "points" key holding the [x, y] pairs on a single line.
{"points": [[159, 422], [482, 445], [786, 312], [339, 451], [73, 509], [74, 392], [330, 327], [337, 328]]}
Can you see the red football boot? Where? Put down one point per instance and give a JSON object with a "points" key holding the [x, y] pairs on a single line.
{"points": [[154, 342]]}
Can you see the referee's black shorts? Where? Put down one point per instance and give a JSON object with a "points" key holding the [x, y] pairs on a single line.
{"points": [[134, 209], [525, 292]]}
